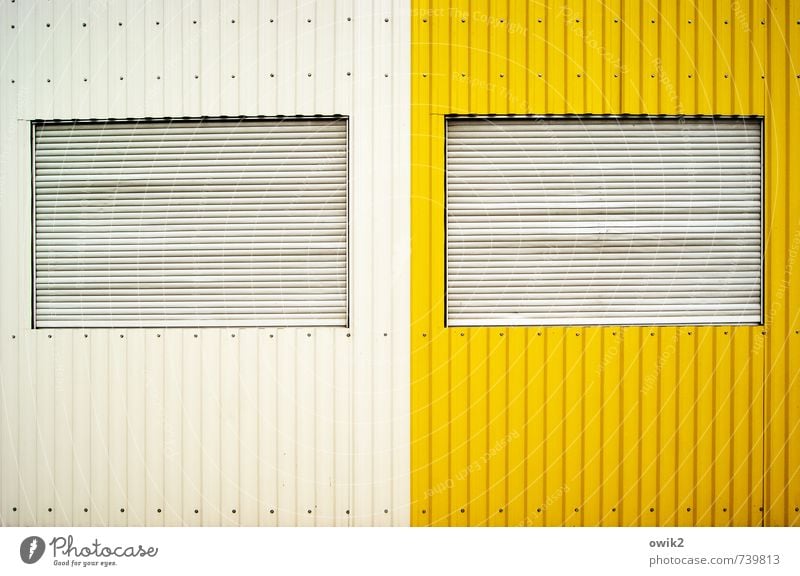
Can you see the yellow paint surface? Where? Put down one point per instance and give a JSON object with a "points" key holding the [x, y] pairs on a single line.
{"points": [[606, 425]]}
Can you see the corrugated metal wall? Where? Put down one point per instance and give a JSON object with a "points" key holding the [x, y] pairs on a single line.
{"points": [[590, 425], [210, 426]]}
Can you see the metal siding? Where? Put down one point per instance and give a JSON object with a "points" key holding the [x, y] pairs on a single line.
{"points": [[698, 424], [183, 426]]}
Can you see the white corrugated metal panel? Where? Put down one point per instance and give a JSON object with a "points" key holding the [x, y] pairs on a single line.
{"points": [[603, 221], [191, 223], [213, 425]]}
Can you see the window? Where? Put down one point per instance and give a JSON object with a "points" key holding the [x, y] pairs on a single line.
{"points": [[191, 223], [581, 220]]}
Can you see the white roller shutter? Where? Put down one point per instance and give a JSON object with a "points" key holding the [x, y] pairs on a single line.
{"points": [[603, 221], [191, 223]]}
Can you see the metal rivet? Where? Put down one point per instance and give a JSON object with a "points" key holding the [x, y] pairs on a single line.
{"points": [[690, 75], [424, 334], [539, 20], [616, 20], [385, 19], [578, 75], [652, 75], [763, 22], [501, 333], [462, 510], [385, 333], [724, 509], [84, 24], [760, 508], [47, 25], [539, 74], [119, 23], [538, 509], [425, 20], [689, 333], [763, 332], [613, 333], [308, 334], [463, 20], [233, 75], [385, 75], [616, 75], [726, 21], [653, 333], [652, 21], [13, 336], [272, 75], [272, 511], [157, 23], [85, 335], [501, 20], [85, 509], [462, 333], [577, 333], [348, 19], [652, 509], [158, 335], [500, 510], [122, 335], [49, 509], [12, 81], [14, 509], [309, 20], [233, 335], [309, 511], [726, 75], [309, 74], [49, 335], [196, 76], [347, 511], [538, 333], [233, 21], [196, 511], [271, 20], [158, 77], [233, 511], [577, 19], [502, 75], [122, 510], [194, 21], [272, 335], [48, 80], [423, 511], [576, 509], [121, 77], [348, 73], [725, 332], [348, 334], [689, 509], [195, 335]]}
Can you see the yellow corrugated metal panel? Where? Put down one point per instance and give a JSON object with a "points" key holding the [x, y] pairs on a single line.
{"points": [[606, 425]]}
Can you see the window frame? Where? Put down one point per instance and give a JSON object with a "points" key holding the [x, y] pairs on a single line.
{"points": [[760, 118], [35, 123]]}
